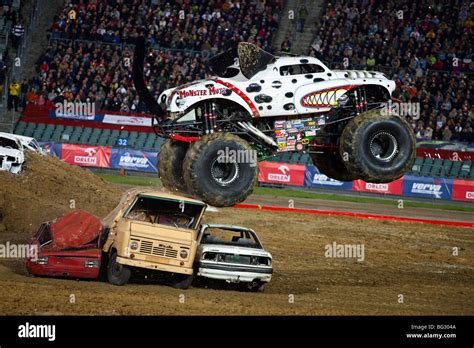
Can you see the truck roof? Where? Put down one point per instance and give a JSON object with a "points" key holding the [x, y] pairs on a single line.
{"points": [[163, 194]]}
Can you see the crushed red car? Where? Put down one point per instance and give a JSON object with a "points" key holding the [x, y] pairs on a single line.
{"points": [[69, 246]]}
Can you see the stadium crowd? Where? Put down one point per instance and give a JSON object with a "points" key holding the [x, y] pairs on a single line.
{"points": [[183, 24], [88, 59], [425, 46], [102, 73]]}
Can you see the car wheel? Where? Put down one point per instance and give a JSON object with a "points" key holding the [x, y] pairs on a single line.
{"points": [[256, 286], [170, 165], [216, 178], [117, 274], [380, 147]]}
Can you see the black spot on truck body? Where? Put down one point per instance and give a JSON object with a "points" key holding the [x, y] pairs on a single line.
{"points": [[253, 87], [263, 98]]}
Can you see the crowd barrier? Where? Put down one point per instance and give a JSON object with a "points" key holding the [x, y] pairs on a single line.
{"points": [[104, 157], [270, 172]]}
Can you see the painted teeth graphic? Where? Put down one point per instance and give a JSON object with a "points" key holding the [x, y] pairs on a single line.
{"points": [[323, 98]]}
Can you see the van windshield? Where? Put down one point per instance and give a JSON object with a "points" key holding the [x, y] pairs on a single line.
{"points": [[169, 212]]}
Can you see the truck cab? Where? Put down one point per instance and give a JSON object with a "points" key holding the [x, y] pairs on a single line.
{"points": [[153, 230]]}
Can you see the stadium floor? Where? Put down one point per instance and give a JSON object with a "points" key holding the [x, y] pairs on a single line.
{"points": [[410, 259]]}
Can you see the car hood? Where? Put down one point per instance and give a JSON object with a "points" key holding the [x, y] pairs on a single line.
{"points": [[74, 230], [228, 249]]}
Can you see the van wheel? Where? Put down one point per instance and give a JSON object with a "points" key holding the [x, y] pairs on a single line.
{"points": [[117, 274], [181, 281]]}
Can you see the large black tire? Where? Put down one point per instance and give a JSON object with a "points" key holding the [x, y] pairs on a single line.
{"points": [[170, 165], [331, 165], [117, 274], [379, 147], [219, 184]]}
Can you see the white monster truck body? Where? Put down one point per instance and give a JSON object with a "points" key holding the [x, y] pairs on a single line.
{"points": [[266, 104], [288, 86]]}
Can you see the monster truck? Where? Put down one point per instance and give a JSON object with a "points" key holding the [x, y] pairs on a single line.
{"points": [[266, 104]]}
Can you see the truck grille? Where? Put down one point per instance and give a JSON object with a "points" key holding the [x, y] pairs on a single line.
{"points": [[146, 247], [162, 251]]}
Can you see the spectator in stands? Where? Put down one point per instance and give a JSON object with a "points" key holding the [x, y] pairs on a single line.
{"points": [[17, 33], [32, 97], [23, 91], [286, 46], [13, 95], [3, 70], [303, 14]]}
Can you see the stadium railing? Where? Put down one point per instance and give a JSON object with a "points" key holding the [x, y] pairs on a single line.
{"points": [[123, 46]]}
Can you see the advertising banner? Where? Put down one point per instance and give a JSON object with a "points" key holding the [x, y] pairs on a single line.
{"points": [[52, 148], [392, 188], [313, 178], [451, 155], [133, 160], [281, 173], [86, 156], [127, 120], [463, 190], [423, 186]]}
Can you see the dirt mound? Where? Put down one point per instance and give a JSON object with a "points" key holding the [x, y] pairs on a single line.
{"points": [[46, 188]]}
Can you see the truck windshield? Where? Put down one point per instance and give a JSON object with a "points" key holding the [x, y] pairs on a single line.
{"points": [[180, 214]]}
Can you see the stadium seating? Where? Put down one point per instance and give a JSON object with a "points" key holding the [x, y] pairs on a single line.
{"points": [[89, 136], [152, 142]]}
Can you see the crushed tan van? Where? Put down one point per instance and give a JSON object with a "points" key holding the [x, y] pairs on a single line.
{"points": [[153, 230]]}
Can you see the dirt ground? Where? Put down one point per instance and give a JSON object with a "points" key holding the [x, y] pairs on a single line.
{"points": [[408, 268], [45, 189], [413, 260]]}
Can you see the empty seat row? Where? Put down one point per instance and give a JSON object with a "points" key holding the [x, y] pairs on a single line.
{"points": [[90, 136]]}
